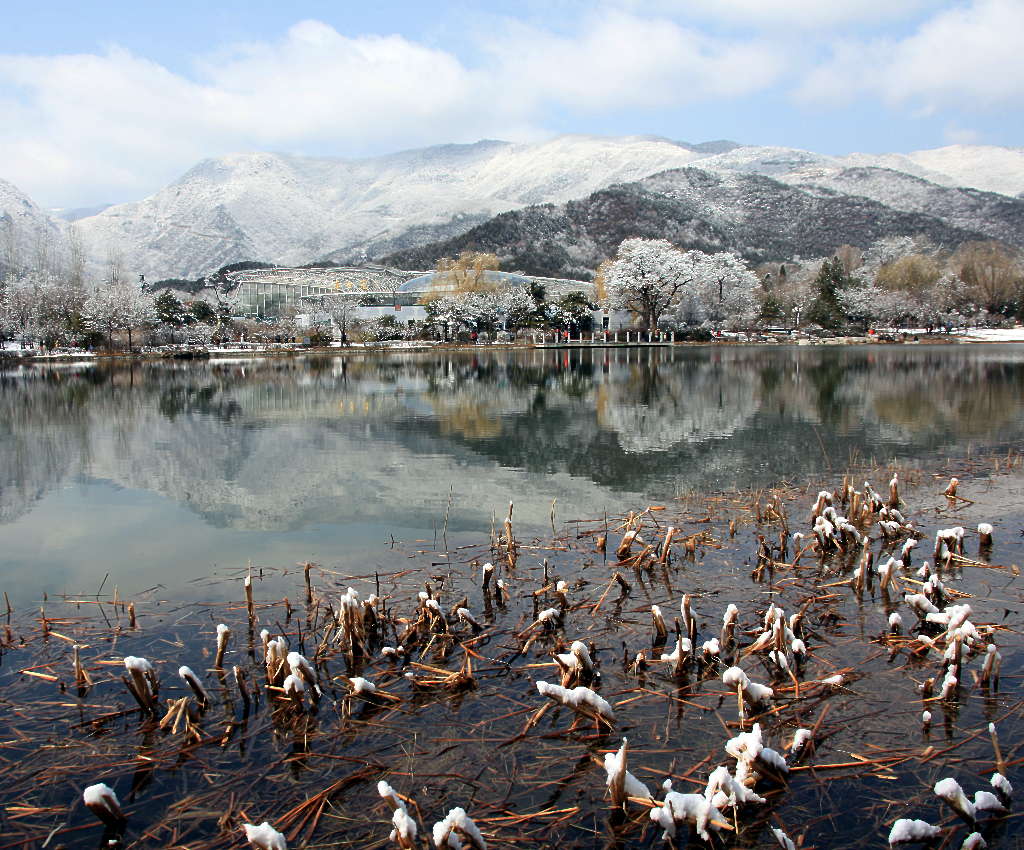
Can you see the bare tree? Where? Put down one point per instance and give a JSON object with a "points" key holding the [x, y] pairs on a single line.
{"points": [[993, 273], [468, 272], [335, 308], [914, 273], [851, 257]]}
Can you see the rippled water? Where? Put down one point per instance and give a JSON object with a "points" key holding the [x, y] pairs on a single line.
{"points": [[164, 472]]}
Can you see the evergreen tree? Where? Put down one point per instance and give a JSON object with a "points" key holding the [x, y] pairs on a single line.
{"points": [[826, 310], [169, 310]]}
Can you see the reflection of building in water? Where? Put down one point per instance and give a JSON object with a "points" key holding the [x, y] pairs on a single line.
{"points": [[374, 290]]}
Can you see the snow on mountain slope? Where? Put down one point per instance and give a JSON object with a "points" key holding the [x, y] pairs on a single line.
{"points": [[987, 168], [774, 162], [25, 229], [895, 162], [907, 183], [293, 210], [997, 216], [289, 209], [984, 167], [991, 169]]}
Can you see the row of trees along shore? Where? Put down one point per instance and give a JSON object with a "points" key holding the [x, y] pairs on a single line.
{"points": [[895, 282]]}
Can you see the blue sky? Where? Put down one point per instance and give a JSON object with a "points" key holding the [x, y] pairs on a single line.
{"points": [[108, 101]]}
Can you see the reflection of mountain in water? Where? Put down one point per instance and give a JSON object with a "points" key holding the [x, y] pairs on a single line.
{"points": [[285, 444]]}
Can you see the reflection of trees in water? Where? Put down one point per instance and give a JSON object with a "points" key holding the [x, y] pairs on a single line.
{"points": [[652, 407], [969, 397], [909, 394], [44, 426], [274, 443]]}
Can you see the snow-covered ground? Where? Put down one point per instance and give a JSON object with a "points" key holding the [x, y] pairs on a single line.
{"points": [[994, 335]]}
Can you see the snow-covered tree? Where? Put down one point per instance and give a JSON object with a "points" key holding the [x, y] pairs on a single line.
{"points": [[517, 306], [40, 305], [480, 309], [647, 278], [950, 299], [18, 307], [866, 303], [890, 249], [381, 329], [571, 312], [483, 309], [59, 309], [447, 313], [722, 292], [119, 305]]}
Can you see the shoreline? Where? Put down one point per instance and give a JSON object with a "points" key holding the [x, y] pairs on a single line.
{"points": [[11, 357]]}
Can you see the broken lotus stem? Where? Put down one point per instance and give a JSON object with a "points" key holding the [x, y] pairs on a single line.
{"points": [[101, 800], [455, 826], [190, 679], [581, 700], [223, 635], [143, 683], [621, 783]]}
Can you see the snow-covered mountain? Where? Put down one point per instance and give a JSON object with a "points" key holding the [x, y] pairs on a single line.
{"points": [[25, 229], [762, 218], [990, 169], [293, 210], [983, 167]]}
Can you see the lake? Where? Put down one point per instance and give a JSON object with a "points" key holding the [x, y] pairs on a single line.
{"points": [[393, 474], [161, 473]]}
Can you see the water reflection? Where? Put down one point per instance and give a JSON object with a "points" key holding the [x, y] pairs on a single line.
{"points": [[272, 445]]}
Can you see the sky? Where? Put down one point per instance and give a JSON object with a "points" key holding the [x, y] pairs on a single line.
{"points": [[108, 101]]}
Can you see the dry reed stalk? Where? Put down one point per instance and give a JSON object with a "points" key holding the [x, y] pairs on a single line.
{"points": [[82, 678], [249, 607]]}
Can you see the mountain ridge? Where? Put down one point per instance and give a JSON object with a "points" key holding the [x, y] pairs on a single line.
{"points": [[759, 217], [292, 210]]}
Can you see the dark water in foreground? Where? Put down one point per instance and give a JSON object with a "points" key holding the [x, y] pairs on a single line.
{"points": [[162, 473]]}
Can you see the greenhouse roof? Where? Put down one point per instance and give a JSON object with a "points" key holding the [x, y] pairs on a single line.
{"points": [[447, 282]]}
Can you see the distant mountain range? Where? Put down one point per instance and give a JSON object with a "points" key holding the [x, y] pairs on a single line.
{"points": [[558, 206], [759, 217]]}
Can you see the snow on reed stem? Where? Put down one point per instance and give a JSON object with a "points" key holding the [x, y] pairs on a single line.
{"points": [[223, 636], [264, 837], [101, 800]]}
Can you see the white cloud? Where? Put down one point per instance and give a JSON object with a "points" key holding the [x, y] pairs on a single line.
{"points": [[966, 57], [124, 124], [620, 60], [85, 128]]}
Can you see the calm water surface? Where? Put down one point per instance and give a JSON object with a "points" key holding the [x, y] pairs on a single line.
{"points": [[163, 473]]}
